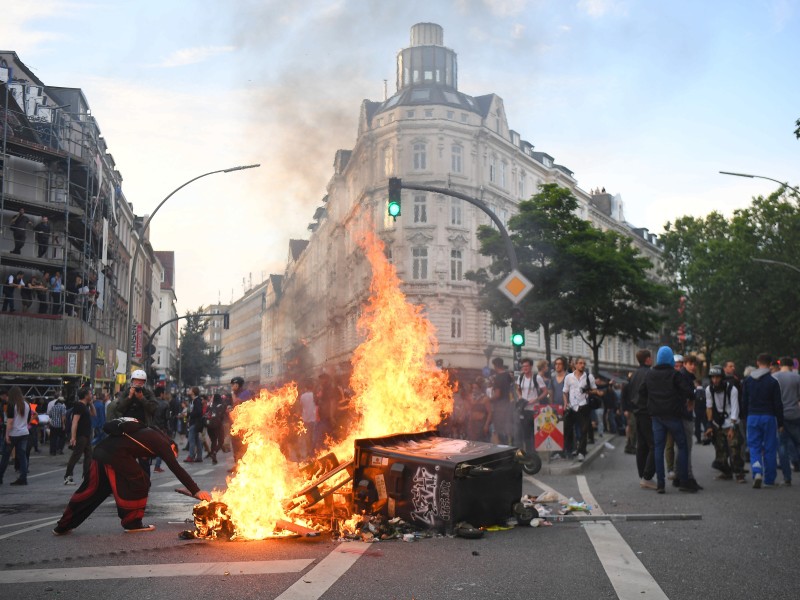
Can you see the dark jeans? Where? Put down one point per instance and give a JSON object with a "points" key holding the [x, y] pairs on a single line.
{"points": [[19, 443], [82, 448], [581, 417], [673, 425], [789, 437], [57, 439], [645, 447]]}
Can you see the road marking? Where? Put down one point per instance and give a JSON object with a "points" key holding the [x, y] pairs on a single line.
{"points": [[26, 522], [203, 472], [45, 473], [586, 494], [625, 571], [220, 569], [317, 581], [31, 528]]}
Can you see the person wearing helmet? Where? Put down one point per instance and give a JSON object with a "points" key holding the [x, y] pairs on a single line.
{"points": [[722, 412], [135, 400]]}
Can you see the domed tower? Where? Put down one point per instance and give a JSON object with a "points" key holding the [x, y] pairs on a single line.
{"points": [[427, 61]]}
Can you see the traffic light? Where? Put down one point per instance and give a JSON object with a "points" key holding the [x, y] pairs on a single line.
{"points": [[226, 321], [517, 329], [395, 186]]}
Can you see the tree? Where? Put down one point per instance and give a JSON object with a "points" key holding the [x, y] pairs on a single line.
{"points": [[737, 307], [607, 290], [197, 358], [536, 232]]}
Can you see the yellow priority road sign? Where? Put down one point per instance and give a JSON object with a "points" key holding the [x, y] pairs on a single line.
{"points": [[515, 286]]}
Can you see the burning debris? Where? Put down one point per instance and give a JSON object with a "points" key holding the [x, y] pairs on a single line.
{"points": [[417, 478]]}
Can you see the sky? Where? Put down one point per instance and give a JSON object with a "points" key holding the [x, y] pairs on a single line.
{"points": [[647, 99]]}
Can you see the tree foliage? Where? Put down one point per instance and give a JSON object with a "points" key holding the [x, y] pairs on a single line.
{"points": [[197, 358], [735, 306], [591, 283]]}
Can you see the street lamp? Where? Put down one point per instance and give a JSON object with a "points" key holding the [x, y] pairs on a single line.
{"points": [[775, 262], [139, 249], [761, 177]]}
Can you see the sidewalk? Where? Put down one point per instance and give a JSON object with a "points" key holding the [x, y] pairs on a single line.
{"points": [[572, 467]]}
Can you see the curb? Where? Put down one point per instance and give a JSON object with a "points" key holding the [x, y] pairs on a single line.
{"points": [[572, 467]]}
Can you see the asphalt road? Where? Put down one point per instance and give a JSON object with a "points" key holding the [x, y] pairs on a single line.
{"points": [[744, 546]]}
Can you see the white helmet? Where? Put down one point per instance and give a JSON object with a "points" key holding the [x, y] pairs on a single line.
{"points": [[139, 374]]}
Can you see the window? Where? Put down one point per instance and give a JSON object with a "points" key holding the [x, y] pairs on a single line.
{"points": [[428, 113], [455, 324], [388, 254], [391, 118], [380, 122], [503, 167], [492, 169], [410, 114], [464, 117], [455, 161], [419, 266], [456, 265], [498, 334], [521, 186], [388, 162], [420, 209], [420, 157], [451, 114], [456, 208]]}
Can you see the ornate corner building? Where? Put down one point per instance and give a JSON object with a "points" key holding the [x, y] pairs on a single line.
{"points": [[427, 133]]}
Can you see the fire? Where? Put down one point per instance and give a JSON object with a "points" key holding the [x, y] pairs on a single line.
{"points": [[397, 388]]}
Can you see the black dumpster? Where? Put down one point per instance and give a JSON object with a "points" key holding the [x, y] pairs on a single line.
{"points": [[436, 482]]}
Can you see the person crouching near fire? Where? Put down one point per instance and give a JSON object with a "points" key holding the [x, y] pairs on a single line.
{"points": [[115, 470]]}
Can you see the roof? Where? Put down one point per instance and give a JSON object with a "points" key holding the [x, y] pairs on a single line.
{"points": [[425, 95], [296, 248]]}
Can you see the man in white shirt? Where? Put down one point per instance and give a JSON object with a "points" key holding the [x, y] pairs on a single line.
{"points": [[532, 393], [577, 387]]}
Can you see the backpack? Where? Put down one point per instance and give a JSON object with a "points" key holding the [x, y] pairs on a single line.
{"points": [[213, 417]]}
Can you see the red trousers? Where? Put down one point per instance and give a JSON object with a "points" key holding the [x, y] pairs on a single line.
{"points": [[101, 481]]}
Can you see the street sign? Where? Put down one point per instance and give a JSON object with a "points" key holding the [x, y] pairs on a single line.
{"points": [[69, 347], [515, 286], [548, 431]]}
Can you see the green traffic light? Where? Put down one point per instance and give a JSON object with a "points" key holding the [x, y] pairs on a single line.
{"points": [[518, 339], [394, 209]]}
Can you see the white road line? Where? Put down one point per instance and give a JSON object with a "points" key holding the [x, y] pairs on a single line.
{"points": [[264, 567], [26, 522], [625, 571], [45, 473], [586, 494], [203, 472], [317, 581], [31, 528]]}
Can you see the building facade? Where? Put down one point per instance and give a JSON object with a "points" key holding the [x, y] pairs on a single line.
{"points": [[77, 230], [166, 342]]}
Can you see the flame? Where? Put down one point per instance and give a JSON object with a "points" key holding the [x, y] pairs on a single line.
{"points": [[397, 389]]}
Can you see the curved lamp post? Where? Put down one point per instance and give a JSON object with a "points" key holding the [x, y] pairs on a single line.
{"points": [[139, 249], [775, 262], [761, 177]]}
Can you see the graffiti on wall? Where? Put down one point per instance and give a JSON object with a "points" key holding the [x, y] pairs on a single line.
{"points": [[11, 360]]}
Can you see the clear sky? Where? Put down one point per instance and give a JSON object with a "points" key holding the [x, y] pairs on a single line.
{"points": [[647, 99]]}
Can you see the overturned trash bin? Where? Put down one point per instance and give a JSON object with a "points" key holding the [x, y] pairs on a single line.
{"points": [[436, 482]]}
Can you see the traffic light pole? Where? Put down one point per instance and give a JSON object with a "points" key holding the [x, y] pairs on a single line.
{"points": [[512, 255], [396, 183]]}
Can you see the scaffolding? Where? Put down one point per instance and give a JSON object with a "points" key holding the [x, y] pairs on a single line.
{"points": [[54, 163]]}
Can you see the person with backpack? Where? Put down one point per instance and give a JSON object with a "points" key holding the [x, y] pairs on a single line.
{"points": [[532, 393], [722, 413], [115, 468]]}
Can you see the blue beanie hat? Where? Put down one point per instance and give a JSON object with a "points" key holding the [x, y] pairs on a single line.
{"points": [[665, 356]]}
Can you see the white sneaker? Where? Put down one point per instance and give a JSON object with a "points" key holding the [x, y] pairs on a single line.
{"points": [[647, 484], [757, 480], [671, 475], [68, 481], [581, 457]]}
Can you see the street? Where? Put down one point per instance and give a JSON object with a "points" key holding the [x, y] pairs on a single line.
{"points": [[742, 547]]}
